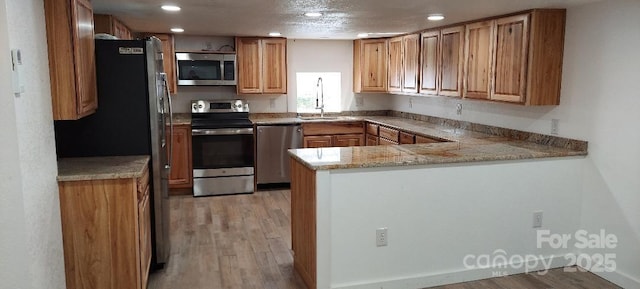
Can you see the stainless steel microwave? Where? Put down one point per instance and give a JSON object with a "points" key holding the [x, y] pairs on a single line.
{"points": [[206, 68]]}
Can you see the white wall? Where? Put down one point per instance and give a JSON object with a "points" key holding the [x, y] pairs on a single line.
{"points": [[36, 149], [600, 101], [14, 266], [328, 56], [302, 56], [437, 215]]}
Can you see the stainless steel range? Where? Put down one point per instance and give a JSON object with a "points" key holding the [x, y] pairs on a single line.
{"points": [[223, 150]]}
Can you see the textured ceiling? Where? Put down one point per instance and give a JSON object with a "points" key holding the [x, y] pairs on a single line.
{"points": [[342, 19]]}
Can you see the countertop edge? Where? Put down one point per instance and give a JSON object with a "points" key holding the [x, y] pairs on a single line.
{"points": [[136, 168], [434, 162]]}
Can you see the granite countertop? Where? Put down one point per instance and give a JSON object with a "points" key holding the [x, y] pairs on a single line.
{"points": [[463, 146], [101, 168], [181, 119]]}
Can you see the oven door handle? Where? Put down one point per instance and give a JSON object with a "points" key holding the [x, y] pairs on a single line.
{"points": [[223, 131]]}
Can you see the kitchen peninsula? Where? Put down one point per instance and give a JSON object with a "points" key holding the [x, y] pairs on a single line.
{"points": [[438, 203]]}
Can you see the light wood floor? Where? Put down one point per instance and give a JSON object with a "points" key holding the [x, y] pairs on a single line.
{"points": [[244, 241], [554, 279], [239, 241]]}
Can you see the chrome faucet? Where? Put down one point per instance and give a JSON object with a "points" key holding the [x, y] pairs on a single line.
{"points": [[320, 89]]}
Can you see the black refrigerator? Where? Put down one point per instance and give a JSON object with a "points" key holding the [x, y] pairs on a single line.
{"points": [[134, 107]]}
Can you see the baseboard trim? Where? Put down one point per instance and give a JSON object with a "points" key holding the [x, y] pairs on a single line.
{"points": [[621, 279], [452, 277]]}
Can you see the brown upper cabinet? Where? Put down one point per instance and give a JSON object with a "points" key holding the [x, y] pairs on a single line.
{"points": [[72, 65], [111, 25], [404, 54], [395, 65], [370, 65], [517, 58], [442, 59], [169, 58], [478, 55], [262, 65], [410, 62]]}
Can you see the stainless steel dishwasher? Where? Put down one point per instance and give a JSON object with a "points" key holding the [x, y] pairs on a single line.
{"points": [[272, 159]]}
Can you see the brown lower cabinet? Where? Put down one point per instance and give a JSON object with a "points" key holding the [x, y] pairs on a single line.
{"points": [[106, 233], [371, 140], [181, 176], [344, 134], [318, 141], [385, 142], [424, 139]]}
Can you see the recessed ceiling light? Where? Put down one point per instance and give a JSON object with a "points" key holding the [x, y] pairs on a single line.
{"points": [[313, 14], [172, 8], [362, 35], [274, 34], [435, 17], [177, 30]]}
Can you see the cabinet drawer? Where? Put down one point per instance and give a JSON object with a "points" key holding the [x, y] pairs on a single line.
{"points": [[407, 138], [332, 128], [386, 142], [143, 184], [424, 139], [389, 133], [372, 129]]}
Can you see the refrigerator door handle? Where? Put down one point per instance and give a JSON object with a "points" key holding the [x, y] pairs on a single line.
{"points": [[166, 87]]}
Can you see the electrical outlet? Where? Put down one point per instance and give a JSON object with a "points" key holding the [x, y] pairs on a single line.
{"points": [[272, 103], [537, 219], [554, 125], [459, 109], [381, 237], [359, 100]]}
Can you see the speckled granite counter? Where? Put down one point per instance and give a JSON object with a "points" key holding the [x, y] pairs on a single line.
{"points": [[464, 146], [182, 119], [101, 168]]}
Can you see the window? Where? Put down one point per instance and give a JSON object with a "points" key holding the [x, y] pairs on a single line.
{"points": [[308, 88]]}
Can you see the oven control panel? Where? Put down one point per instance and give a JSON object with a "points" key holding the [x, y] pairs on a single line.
{"points": [[207, 106]]}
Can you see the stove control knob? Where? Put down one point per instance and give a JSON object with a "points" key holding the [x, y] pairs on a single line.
{"points": [[200, 106]]}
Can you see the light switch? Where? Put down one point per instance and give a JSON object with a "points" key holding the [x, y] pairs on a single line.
{"points": [[16, 71]]}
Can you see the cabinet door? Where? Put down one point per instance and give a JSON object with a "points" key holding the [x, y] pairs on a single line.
{"points": [[169, 60], [319, 141], [372, 140], [348, 140], [120, 30], [144, 224], [374, 65], [274, 66], [509, 73], [85, 59], [181, 170], [395, 64], [410, 61], [478, 50], [451, 61], [429, 62], [249, 65]]}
